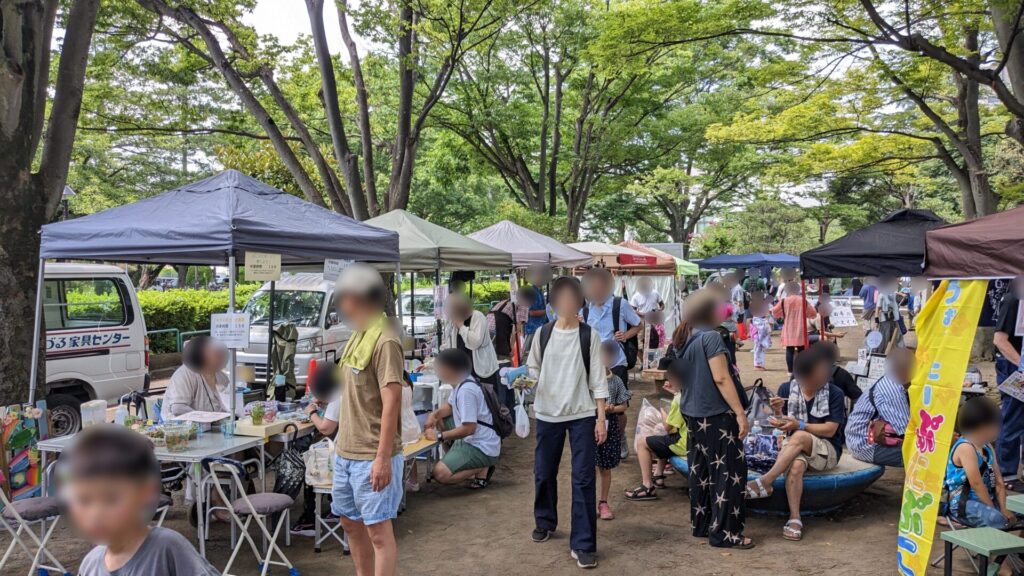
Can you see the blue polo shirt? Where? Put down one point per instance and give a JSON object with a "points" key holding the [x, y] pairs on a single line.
{"points": [[535, 322], [599, 317]]}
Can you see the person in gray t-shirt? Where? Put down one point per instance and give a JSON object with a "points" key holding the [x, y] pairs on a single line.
{"points": [[163, 553]]}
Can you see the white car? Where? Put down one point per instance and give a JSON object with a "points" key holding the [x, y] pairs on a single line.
{"points": [[96, 344], [306, 300], [423, 324]]}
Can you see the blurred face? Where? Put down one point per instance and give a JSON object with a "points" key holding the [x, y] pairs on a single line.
{"points": [[106, 509], [447, 374], [818, 378], [356, 311], [645, 286], [988, 433], [674, 384], [215, 357], [597, 288], [566, 304]]}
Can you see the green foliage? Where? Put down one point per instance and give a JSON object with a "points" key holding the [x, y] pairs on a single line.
{"points": [[187, 310]]}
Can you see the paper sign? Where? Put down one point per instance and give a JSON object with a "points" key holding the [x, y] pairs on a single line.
{"points": [[876, 367], [513, 286], [864, 383], [202, 417], [262, 266], [842, 317], [440, 293], [333, 268], [856, 368], [231, 330]]}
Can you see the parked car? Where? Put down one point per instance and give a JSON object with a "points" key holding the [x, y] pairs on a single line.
{"points": [[422, 324], [96, 343], [307, 300]]}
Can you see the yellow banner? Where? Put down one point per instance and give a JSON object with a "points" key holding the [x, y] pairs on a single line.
{"points": [[945, 333]]}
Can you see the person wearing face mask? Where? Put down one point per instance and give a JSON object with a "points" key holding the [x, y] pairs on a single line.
{"points": [[1007, 340]]}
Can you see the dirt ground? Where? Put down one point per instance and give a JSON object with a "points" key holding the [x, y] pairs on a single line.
{"points": [[452, 530]]}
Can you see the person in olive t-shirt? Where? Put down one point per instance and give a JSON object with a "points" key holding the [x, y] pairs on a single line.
{"points": [[368, 468], [1008, 344]]}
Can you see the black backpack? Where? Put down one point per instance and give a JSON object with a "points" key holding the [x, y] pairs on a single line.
{"points": [[631, 346], [503, 424], [585, 332]]}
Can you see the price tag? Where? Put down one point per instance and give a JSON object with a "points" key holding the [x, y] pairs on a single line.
{"points": [[262, 267], [333, 268], [230, 329]]}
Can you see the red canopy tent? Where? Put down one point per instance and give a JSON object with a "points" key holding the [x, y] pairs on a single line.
{"points": [[986, 247]]}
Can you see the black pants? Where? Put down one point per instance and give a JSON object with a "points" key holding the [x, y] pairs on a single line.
{"points": [[718, 478], [547, 456], [791, 352]]}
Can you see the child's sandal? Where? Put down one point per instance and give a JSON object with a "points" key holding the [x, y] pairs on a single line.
{"points": [[641, 493]]}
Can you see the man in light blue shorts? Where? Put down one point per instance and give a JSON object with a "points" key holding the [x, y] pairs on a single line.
{"points": [[368, 466]]}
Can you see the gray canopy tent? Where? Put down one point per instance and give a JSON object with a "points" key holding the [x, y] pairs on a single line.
{"points": [[211, 222]]}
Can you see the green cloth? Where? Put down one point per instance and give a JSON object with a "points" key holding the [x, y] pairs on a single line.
{"points": [[685, 268], [464, 456], [360, 346], [675, 419]]}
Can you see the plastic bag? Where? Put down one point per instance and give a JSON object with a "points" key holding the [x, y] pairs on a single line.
{"points": [[318, 459], [649, 422], [411, 430], [522, 418]]}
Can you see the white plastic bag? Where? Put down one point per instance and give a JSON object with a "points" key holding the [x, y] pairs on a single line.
{"points": [[319, 459], [648, 423], [522, 418], [411, 430]]}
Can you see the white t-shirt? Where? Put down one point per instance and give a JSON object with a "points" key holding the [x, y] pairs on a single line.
{"points": [[737, 296], [563, 392], [333, 410], [644, 303], [469, 406]]}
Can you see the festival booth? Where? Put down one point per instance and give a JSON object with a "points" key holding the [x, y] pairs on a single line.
{"points": [[211, 222], [758, 260], [429, 248], [894, 246], [528, 247]]}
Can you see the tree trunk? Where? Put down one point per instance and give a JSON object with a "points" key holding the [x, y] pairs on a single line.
{"points": [[1008, 31]]}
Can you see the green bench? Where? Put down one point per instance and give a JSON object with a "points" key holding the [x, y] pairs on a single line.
{"points": [[985, 542]]}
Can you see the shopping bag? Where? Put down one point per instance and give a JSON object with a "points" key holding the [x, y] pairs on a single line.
{"points": [[522, 418], [319, 459], [648, 423], [411, 430]]}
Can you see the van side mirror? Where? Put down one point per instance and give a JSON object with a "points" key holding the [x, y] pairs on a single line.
{"points": [[332, 319]]}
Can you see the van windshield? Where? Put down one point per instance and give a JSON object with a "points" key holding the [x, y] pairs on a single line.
{"points": [[301, 307]]}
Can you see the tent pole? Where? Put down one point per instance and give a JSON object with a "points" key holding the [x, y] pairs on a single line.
{"points": [[398, 292], [231, 351], [270, 340], [37, 328], [437, 283]]}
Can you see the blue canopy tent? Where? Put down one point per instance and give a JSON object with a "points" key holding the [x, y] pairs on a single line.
{"points": [[753, 260], [211, 222]]}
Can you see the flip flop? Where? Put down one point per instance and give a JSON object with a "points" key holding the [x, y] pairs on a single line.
{"points": [[745, 544]]}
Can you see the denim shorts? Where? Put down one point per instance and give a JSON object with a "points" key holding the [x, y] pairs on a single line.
{"points": [[352, 495]]}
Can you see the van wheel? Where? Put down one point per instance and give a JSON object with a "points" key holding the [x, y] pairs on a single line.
{"points": [[65, 413]]}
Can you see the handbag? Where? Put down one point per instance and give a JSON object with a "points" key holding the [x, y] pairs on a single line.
{"points": [[290, 468], [880, 432], [319, 461]]}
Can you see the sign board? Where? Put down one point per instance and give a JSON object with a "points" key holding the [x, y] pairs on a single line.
{"points": [[864, 383], [262, 267], [440, 293], [842, 317], [876, 367], [333, 268], [230, 329], [1013, 386]]}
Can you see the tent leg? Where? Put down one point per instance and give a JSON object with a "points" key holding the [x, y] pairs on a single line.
{"points": [[437, 282], [398, 292], [37, 328], [231, 351], [270, 342]]}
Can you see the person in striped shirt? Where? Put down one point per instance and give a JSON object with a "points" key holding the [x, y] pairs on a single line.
{"points": [[886, 400]]}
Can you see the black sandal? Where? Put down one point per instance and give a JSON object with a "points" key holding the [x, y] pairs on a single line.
{"points": [[478, 484], [642, 493], [659, 481]]}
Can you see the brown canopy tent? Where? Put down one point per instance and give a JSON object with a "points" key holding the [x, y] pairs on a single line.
{"points": [[986, 247]]}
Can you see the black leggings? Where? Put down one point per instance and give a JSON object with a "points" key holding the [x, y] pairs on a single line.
{"points": [[791, 352]]}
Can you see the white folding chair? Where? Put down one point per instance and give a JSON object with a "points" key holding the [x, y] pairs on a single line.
{"points": [[258, 509], [19, 519], [161, 510]]}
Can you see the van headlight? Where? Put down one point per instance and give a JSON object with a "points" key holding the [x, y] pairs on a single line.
{"points": [[309, 345]]}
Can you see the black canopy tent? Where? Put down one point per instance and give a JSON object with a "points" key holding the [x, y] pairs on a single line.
{"points": [[211, 222], [892, 247]]}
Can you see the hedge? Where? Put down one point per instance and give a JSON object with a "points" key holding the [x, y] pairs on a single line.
{"points": [[187, 310]]}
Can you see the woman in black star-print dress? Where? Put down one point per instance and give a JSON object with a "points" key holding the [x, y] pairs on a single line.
{"points": [[712, 404]]}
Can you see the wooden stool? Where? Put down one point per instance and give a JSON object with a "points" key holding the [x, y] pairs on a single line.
{"points": [[984, 542]]}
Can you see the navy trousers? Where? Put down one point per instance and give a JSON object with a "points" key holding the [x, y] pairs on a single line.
{"points": [[1012, 432], [548, 454]]}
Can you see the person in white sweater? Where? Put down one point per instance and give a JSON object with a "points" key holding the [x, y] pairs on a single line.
{"points": [[570, 397], [466, 329]]}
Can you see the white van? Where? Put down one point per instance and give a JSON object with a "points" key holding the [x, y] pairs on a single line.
{"points": [[96, 344], [307, 300]]}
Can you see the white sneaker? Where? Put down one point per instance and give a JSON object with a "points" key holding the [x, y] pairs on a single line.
{"points": [[624, 453]]}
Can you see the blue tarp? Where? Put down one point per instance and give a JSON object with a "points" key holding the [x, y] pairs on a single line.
{"points": [[754, 260], [201, 223]]}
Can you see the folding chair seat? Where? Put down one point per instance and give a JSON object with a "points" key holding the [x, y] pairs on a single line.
{"points": [[258, 509], [19, 519]]}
